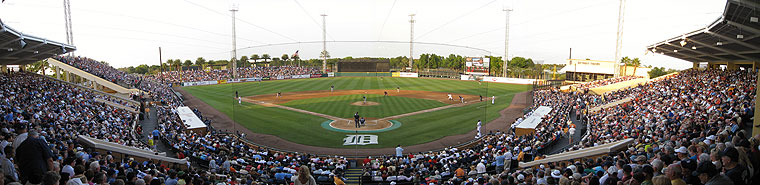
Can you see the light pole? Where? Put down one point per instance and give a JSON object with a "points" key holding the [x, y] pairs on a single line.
{"points": [[506, 43], [324, 44], [411, 39]]}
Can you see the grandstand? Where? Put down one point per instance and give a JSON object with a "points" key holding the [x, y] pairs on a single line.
{"points": [[106, 126]]}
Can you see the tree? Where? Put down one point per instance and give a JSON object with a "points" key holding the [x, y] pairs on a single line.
{"points": [[297, 58], [255, 57], [626, 62], [324, 54], [243, 62], [635, 63], [265, 57], [285, 57], [659, 71], [187, 63], [141, 69], [200, 62]]}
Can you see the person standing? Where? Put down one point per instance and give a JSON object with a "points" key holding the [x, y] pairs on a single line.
{"points": [[399, 151], [493, 100], [571, 132], [479, 125], [240, 100], [365, 99], [332, 88], [356, 119], [34, 159], [398, 89], [386, 93], [450, 98], [9, 170], [481, 97]]}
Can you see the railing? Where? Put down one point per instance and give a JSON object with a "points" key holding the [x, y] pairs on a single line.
{"points": [[578, 154]]}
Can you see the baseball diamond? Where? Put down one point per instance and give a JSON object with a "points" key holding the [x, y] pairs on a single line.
{"points": [[421, 105]]}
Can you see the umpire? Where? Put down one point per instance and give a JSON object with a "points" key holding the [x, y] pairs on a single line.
{"points": [[356, 120]]}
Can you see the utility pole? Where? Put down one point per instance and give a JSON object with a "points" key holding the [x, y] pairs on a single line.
{"points": [[411, 39], [619, 44], [161, 65], [324, 43], [69, 29], [506, 44], [234, 45]]}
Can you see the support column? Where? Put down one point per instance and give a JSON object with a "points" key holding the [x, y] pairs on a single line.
{"points": [[731, 66], [756, 122], [695, 65], [4, 69], [21, 67]]}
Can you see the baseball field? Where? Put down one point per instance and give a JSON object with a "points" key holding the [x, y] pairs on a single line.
{"points": [[414, 111]]}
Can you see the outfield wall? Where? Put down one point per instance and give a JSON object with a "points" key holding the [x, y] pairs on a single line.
{"points": [[358, 74]]}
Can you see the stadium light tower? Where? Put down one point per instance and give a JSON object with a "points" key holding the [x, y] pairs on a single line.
{"points": [[506, 44], [619, 44], [411, 39], [67, 18], [324, 43], [234, 45]]}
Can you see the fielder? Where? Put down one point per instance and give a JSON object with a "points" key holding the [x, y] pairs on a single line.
{"points": [[398, 89], [493, 100], [240, 100], [479, 125], [461, 99], [365, 99], [450, 98], [332, 87]]}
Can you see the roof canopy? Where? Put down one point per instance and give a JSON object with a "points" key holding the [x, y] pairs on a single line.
{"points": [[734, 37], [19, 49]]}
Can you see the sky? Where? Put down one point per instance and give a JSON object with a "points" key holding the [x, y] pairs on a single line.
{"points": [[129, 33]]}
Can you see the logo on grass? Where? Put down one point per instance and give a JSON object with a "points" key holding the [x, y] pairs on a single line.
{"points": [[360, 140]]}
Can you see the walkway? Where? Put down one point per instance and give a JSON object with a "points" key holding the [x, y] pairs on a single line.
{"points": [[149, 124], [563, 142]]}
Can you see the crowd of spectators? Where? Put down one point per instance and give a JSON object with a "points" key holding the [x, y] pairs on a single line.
{"points": [[603, 82], [224, 74], [100, 69], [687, 129]]}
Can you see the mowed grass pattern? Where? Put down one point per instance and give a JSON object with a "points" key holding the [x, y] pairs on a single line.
{"points": [[340, 106], [306, 129]]}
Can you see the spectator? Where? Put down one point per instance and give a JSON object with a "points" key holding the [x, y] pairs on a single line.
{"points": [[34, 159], [304, 177]]}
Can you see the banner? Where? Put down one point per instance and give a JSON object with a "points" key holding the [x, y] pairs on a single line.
{"points": [[395, 74], [408, 75], [315, 76], [199, 83], [265, 78], [279, 77], [221, 81], [466, 77], [299, 76], [331, 74], [508, 80]]}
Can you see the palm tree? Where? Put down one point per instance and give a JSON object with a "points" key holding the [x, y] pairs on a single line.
{"points": [[265, 57], [255, 57], [626, 62], [635, 63], [285, 57]]}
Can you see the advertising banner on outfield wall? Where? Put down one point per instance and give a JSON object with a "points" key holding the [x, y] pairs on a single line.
{"points": [[508, 80], [199, 83], [331, 74], [299, 76], [279, 77], [467, 77], [408, 75], [221, 81], [395, 74], [315, 75]]}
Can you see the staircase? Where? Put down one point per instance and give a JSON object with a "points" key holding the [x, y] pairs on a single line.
{"points": [[353, 176]]}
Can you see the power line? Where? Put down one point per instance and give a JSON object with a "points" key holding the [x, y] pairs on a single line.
{"points": [[241, 20], [312, 18], [457, 18], [386, 20]]}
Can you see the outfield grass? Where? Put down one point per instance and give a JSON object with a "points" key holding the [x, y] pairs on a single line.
{"points": [[306, 129]]}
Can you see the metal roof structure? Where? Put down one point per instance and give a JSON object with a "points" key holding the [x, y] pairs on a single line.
{"points": [[734, 37], [17, 48]]}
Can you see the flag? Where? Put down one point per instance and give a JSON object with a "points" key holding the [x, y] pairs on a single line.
{"points": [[295, 54]]}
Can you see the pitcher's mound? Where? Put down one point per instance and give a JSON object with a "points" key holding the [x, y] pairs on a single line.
{"points": [[361, 103]]}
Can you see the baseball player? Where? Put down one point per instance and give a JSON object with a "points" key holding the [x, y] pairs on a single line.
{"points": [[461, 99], [365, 99], [356, 120], [450, 98], [398, 89], [240, 100], [361, 121], [481, 97], [479, 125], [332, 87], [493, 100], [386, 93]]}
